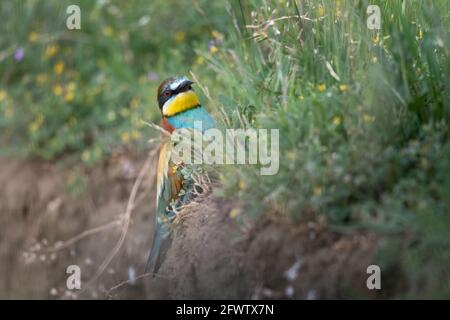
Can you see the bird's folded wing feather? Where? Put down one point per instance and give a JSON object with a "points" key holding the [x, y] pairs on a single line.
{"points": [[168, 180]]}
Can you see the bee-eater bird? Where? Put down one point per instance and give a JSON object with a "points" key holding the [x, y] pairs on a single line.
{"points": [[180, 107]]}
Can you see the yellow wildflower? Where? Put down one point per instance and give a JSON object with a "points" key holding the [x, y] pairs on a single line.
{"points": [[291, 155], [125, 137], [343, 87], [376, 39], [135, 135], [58, 68], [338, 11], [337, 120], [134, 103], [33, 127], [213, 49], [107, 31], [69, 96], [320, 11], [51, 51], [420, 36], [36, 124], [200, 60], [234, 213], [180, 36], [322, 87], [33, 37], [367, 118], [57, 90], [71, 86], [242, 185], [217, 35], [3, 95]]}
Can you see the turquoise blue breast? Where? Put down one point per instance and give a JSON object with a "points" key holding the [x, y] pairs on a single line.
{"points": [[187, 118]]}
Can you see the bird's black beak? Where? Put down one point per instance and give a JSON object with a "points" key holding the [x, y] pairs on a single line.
{"points": [[184, 86]]}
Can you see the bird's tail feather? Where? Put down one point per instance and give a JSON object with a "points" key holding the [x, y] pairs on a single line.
{"points": [[160, 245]]}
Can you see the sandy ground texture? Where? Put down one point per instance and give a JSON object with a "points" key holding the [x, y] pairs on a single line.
{"points": [[214, 254]]}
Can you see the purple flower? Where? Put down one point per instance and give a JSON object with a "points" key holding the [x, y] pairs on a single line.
{"points": [[152, 76], [19, 54], [211, 44]]}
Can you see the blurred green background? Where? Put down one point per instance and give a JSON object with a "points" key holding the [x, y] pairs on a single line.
{"points": [[84, 92], [363, 114]]}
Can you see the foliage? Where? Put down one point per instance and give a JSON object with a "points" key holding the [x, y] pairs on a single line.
{"points": [[363, 118], [85, 92], [363, 114]]}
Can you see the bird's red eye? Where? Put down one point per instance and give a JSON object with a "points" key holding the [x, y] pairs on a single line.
{"points": [[166, 93]]}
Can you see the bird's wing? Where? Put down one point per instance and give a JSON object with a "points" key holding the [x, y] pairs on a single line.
{"points": [[169, 181], [169, 184]]}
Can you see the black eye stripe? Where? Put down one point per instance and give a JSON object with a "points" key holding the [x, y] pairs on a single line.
{"points": [[163, 97]]}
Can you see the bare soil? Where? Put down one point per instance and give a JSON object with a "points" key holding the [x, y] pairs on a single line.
{"points": [[213, 255]]}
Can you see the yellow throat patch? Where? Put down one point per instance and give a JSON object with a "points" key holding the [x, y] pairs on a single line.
{"points": [[182, 102]]}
